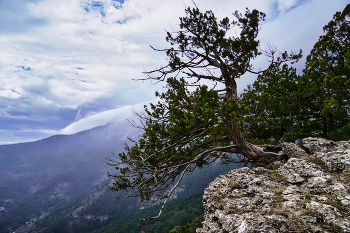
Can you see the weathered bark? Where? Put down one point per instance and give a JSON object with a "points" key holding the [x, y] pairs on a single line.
{"points": [[230, 83], [325, 131], [280, 134], [253, 152], [249, 150], [291, 119]]}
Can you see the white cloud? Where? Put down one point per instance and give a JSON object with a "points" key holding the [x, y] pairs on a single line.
{"points": [[285, 5], [121, 114], [56, 54], [11, 94]]}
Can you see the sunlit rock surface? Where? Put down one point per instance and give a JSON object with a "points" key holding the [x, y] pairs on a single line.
{"points": [[309, 193]]}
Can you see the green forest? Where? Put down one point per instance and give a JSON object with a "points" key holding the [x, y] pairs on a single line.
{"points": [[177, 213], [125, 213]]}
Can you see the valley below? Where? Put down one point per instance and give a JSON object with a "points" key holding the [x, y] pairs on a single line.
{"points": [[59, 184]]}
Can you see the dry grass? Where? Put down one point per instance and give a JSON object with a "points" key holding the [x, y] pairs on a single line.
{"points": [[278, 177], [289, 225], [344, 177], [234, 183], [316, 160], [216, 197], [277, 210], [336, 202]]}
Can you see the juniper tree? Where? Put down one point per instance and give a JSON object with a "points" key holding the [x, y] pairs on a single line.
{"points": [[327, 76], [191, 128], [273, 105], [281, 103]]}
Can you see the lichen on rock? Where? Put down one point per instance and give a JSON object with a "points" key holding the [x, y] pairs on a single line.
{"points": [[292, 150], [299, 196]]}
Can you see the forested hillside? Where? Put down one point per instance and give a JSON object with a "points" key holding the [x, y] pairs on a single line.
{"points": [[38, 176], [99, 207], [58, 184]]}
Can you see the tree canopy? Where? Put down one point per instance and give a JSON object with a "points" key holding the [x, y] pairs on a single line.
{"points": [[194, 125], [272, 104], [327, 75], [284, 105]]}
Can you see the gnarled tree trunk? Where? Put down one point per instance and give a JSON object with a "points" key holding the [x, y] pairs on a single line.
{"points": [[253, 152], [249, 150]]}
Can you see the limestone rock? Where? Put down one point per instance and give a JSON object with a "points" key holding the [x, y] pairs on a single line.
{"points": [[318, 144], [335, 155], [296, 170], [300, 196], [336, 160], [292, 150]]}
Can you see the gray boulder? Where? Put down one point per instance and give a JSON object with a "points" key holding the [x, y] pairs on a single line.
{"points": [[292, 150], [318, 144], [299, 196]]}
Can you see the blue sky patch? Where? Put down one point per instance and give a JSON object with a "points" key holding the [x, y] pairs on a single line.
{"points": [[276, 11], [14, 91], [117, 3], [298, 3], [100, 6], [80, 68], [124, 20], [95, 6], [25, 68]]}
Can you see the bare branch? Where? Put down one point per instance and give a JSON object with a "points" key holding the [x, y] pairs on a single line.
{"points": [[169, 195]]}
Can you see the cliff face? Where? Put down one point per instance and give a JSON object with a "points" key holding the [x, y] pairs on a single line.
{"points": [[308, 193]]}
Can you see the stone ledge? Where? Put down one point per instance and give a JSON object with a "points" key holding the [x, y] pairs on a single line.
{"points": [[299, 196]]}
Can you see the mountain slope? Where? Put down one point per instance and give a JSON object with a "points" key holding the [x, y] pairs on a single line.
{"points": [[40, 175], [58, 184], [99, 210]]}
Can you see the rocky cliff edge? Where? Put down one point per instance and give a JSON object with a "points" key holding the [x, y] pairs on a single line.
{"points": [[308, 193]]}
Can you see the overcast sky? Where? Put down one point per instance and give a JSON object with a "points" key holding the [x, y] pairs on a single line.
{"points": [[68, 65]]}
